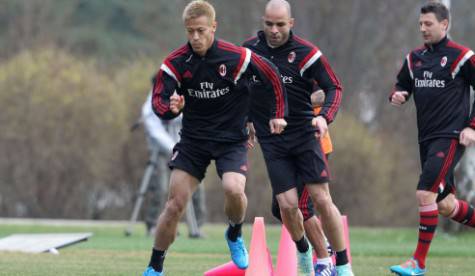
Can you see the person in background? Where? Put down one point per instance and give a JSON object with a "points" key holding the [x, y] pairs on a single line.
{"points": [[311, 223], [438, 75], [162, 136], [205, 79], [296, 156]]}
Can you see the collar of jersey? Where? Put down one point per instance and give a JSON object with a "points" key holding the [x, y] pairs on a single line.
{"points": [[210, 51], [438, 45], [262, 39]]}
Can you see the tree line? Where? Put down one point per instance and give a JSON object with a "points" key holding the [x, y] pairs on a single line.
{"points": [[73, 76]]}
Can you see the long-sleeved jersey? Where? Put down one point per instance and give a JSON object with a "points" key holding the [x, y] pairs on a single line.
{"points": [[215, 90], [301, 64], [439, 76]]}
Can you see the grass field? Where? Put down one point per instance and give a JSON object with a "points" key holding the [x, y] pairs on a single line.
{"points": [[109, 252]]}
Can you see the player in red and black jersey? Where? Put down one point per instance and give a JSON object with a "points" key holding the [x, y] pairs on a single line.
{"points": [[438, 76], [206, 80], [296, 155]]}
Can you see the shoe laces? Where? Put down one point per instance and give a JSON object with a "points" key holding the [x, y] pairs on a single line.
{"points": [[238, 245]]}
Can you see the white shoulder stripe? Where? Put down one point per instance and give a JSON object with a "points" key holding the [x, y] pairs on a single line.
{"points": [[409, 65], [466, 57], [244, 65], [167, 70], [311, 61]]}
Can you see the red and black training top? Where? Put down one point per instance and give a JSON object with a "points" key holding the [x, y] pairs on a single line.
{"points": [[439, 76], [301, 65], [215, 87]]}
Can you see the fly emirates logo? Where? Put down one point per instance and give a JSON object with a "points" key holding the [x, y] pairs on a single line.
{"points": [[428, 81], [207, 91], [285, 79]]}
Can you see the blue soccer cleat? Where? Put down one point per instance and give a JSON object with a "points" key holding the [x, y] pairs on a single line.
{"points": [[151, 272], [344, 270], [325, 270], [238, 251], [305, 260], [408, 268]]}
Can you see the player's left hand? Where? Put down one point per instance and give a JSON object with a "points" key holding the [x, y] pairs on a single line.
{"points": [[467, 137], [277, 126], [320, 123]]}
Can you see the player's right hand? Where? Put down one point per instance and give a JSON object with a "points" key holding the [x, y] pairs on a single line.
{"points": [[399, 97], [177, 102], [277, 126]]}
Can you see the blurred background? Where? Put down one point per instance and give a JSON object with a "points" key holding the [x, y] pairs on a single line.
{"points": [[74, 74]]}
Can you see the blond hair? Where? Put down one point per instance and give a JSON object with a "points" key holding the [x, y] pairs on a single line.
{"points": [[198, 8]]}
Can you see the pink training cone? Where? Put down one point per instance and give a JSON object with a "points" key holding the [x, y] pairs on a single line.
{"points": [[260, 262], [227, 269], [287, 255]]}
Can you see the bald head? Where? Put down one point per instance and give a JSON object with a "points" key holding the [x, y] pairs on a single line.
{"points": [[277, 22], [273, 5]]}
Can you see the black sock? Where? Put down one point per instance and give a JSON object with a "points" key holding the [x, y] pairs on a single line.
{"points": [[302, 245], [234, 231], [156, 261], [341, 257]]}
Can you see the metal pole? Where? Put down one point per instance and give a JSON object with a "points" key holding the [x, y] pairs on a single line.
{"points": [[447, 4], [151, 167]]}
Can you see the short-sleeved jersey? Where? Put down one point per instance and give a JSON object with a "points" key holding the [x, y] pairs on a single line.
{"points": [[301, 64], [439, 77], [215, 88]]}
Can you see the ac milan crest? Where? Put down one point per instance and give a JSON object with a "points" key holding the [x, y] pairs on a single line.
{"points": [[291, 57], [222, 70], [443, 61]]}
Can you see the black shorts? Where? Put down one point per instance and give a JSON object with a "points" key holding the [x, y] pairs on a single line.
{"points": [[288, 162], [194, 155], [438, 160], [305, 203]]}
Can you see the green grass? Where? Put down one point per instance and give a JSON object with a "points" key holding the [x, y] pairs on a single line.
{"points": [[109, 252]]}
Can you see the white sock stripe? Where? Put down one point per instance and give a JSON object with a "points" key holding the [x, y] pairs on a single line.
{"points": [[456, 209], [428, 208]]}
